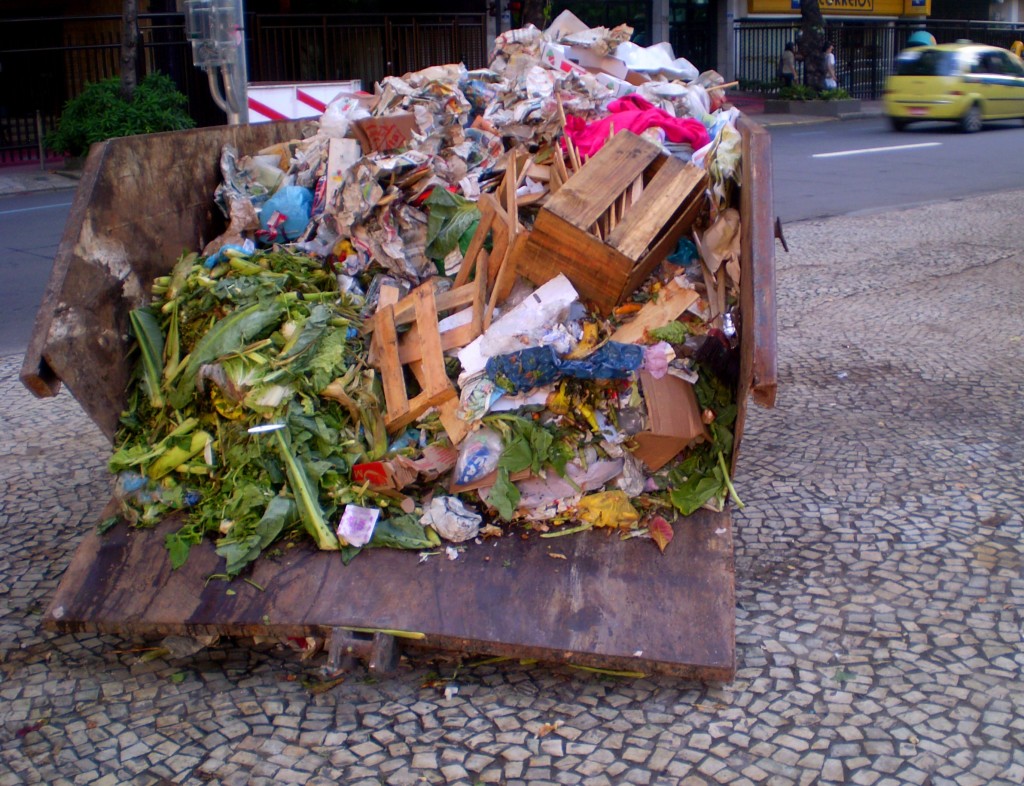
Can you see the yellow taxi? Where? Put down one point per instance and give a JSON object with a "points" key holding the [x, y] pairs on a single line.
{"points": [[965, 83]]}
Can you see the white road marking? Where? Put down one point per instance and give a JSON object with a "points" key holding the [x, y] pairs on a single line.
{"points": [[876, 150], [29, 209]]}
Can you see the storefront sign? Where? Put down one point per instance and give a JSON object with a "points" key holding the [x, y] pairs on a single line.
{"points": [[846, 7]]}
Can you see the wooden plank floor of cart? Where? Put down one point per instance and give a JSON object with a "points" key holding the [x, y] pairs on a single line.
{"points": [[609, 603]]}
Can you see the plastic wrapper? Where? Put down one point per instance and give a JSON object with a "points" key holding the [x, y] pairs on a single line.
{"points": [[722, 158], [657, 59], [478, 456], [608, 509], [357, 525], [543, 498], [656, 359], [632, 479], [538, 366], [293, 203], [340, 114], [450, 519]]}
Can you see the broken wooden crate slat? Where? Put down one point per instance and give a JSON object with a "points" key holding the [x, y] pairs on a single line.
{"points": [[638, 230], [611, 224], [591, 191], [456, 428], [436, 387]]}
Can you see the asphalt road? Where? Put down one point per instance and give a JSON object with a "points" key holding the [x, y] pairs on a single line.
{"points": [[30, 230], [861, 166]]}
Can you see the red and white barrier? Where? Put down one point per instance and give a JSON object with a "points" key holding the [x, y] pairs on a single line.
{"points": [[294, 100]]}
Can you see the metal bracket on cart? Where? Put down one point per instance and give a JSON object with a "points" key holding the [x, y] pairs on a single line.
{"points": [[379, 651]]}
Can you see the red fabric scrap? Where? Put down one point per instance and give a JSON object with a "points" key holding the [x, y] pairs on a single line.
{"points": [[636, 114]]}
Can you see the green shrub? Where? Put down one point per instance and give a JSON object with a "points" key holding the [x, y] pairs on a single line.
{"points": [[797, 93], [99, 113], [838, 94]]}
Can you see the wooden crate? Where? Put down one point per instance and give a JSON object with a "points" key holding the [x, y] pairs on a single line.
{"points": [[614, 221]]}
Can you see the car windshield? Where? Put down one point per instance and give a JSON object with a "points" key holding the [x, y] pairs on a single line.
{"points": [[927, 62]]}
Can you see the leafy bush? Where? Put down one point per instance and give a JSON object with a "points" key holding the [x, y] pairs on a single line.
{"points": [[838, 94], [100, 113], [797, 93], [805, 93]]}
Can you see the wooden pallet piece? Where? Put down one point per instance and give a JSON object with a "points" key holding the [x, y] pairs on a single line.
{"points": [[410, 348], [506, 278], [472, 295], [672, 301], [436, 387]]}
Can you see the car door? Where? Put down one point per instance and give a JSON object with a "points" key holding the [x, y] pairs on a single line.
{"points": [[983, 76], [1013, 83], [1002, 81]]}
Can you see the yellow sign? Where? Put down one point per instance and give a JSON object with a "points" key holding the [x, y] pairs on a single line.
{"points": [[846, 7]]}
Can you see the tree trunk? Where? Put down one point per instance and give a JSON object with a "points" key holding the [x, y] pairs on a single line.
{"points": [[812, 41], [129, 48]]}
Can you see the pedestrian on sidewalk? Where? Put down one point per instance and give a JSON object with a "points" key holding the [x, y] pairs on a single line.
{"points": [[831, 83], [787, 65]]}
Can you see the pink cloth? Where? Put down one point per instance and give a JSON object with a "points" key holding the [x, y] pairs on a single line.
{"points": [[636, 114]]}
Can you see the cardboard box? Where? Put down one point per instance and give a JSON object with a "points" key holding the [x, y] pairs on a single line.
{"points": [[386, 132], [592, 61], [673, 420], [557, 56]]}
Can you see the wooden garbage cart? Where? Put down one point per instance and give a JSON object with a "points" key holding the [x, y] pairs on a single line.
{"points": [[610, 603]]}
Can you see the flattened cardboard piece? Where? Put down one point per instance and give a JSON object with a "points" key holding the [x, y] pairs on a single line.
{"points": [[386, 132], [341, 157], [566, 23], [673, 420], [591, 61], [557, 56]]}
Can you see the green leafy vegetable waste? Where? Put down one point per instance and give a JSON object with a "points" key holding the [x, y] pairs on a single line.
{"points": [[451, 218], [250, 342]]}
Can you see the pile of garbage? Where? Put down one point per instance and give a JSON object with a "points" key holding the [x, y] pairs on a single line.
{"points": [[470, 300]]}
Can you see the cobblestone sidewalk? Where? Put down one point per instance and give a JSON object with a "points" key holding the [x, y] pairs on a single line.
{"points": [[879, 578]]}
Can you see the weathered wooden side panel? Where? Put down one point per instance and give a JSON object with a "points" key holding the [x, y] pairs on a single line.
{"points": [[142, 201], [758, 358]]}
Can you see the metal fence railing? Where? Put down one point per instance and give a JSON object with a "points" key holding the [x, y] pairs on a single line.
{"points": [[865, 51], [46, 61], [332, 47]]}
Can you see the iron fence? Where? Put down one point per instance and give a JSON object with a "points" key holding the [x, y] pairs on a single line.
{"points": [[332, 47], [44, 62], [865, 51]]}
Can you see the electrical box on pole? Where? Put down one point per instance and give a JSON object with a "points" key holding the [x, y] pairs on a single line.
{"points": [[216, 29]]}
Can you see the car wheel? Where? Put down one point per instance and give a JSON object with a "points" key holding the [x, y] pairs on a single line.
{"points": [[898, 123], [971, 121]]}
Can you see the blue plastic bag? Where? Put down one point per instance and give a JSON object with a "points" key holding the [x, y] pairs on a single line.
{"points": [[537, 366], [294, 204]]}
